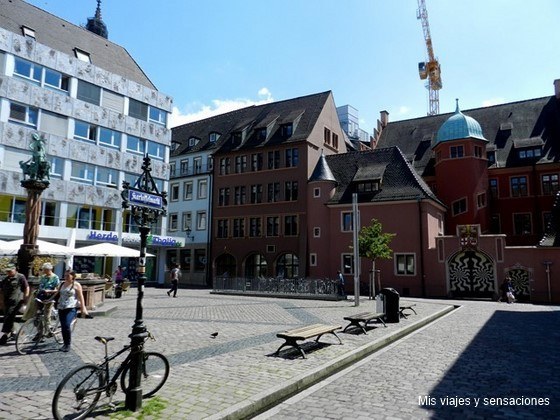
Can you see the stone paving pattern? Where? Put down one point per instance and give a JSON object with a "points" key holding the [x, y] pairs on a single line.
{"points": [[482, 349]]}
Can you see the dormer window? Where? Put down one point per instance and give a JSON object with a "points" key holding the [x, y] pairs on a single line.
{"points": [[236, 138], [174, 145], [82, 55], [28, 32], [213, 137], [261, 134], [193, 141], [530, 153], [367, 187], [286, 130], [491, 156]]}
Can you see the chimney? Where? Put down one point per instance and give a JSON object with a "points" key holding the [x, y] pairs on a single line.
{"points": [[384, 118], [557, 88]]}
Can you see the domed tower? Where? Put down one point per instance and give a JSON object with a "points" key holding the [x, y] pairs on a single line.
{"points": [[461, 171], [96, 24]]}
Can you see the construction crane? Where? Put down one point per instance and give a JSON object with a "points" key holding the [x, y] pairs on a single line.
{"points": [[429, 69]]}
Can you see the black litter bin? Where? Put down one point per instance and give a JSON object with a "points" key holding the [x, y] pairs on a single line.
{"points": [[391, 304]]}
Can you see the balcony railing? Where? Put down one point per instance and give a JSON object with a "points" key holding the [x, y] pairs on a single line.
{"points": [[196, 170]]}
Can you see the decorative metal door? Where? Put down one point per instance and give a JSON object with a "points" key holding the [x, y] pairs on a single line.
{"points": [[520, 278], [471, 274]]}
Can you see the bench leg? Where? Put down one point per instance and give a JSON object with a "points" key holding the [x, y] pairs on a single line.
{"points": [[291, 343], [333, 333], [354, 324]]}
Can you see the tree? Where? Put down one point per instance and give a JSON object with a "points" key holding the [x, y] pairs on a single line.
{"points": [[373, 243]]}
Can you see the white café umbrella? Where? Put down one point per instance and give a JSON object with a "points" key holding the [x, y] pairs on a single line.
{"points": [[45, 248], [108, 249]]}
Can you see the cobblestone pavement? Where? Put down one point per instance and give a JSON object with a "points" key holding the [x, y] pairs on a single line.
{"points": [[457, 367], [483, 349]]}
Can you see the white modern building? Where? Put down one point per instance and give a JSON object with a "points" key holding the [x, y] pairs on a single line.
{"points": [[350, 122], [100, 115]]}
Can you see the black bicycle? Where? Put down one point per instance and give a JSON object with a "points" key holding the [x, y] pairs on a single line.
{"points": [[78, 393]]}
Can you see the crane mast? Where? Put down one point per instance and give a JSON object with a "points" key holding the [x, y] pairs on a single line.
{"points": [[429, 69]]}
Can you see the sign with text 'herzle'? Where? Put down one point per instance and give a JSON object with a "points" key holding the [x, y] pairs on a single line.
{"points": [[144, 199]]}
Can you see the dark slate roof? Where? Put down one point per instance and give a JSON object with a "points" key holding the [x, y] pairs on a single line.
{"points": [[516, 123], [64, 36], [398, 180], [302, 112], [322, 172], [552, 234]]}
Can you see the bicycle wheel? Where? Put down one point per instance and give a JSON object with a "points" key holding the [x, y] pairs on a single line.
{"points": [[55, 327], [27, 336], [78, 393], [155, 370]]}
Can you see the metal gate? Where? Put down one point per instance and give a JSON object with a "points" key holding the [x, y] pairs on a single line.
{"points": [[471, 273], [520, 278]]}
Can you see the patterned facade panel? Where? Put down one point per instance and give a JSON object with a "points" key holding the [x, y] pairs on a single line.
{"points": [[471, 273], [119, 84], [85, 71], [520, 277], [16, 135], [58, 146], [56, 190], [23, 47], [5, 39], [19, 91], [45, 56], [103, 78]]}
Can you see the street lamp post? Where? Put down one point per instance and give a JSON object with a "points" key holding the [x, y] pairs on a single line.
{"points": [[146, 205]]}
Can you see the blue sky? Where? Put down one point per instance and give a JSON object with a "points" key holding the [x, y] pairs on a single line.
{"points": [[216, 55]]}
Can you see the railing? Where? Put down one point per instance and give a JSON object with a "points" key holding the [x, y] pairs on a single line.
{"points": [[273, 285], [192, 170]]}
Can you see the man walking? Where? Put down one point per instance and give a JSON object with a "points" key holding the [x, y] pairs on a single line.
{"points": [[174, 277], [16, 291]]}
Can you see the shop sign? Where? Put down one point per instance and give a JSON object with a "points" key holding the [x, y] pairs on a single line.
{"points": [[105, 237]]}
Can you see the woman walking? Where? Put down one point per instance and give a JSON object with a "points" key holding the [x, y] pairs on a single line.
{"points": [[71, 296]]}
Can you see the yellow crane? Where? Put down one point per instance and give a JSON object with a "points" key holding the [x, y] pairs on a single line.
{"points": [[429, 69]]}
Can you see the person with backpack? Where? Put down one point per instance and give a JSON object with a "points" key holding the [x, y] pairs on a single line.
{"points": [[16, 291]]}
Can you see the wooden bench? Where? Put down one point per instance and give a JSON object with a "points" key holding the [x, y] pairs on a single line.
{"points": [[316, 330], [361, 320], [404, 308]]}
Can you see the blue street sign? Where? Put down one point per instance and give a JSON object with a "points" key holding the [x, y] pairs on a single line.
{"points": [[144, 199]]}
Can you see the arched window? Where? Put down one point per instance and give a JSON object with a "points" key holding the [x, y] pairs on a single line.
{"points": [[287, 266], [256, 266], [225, 266]]}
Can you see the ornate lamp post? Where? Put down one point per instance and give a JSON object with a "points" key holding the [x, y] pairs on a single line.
{"points": [[36, 178], [146, 205]]}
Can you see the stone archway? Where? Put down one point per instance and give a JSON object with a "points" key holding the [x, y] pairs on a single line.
{"points": [[471, 273]]}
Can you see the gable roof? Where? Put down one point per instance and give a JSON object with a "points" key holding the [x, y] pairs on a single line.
{"points": [[64, 36], [388, 165], [301, 112], [504, 126]]}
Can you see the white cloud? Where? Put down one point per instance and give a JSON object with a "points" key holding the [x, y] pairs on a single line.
{"points": [[218, 106], [403, 110], [493, 101]]}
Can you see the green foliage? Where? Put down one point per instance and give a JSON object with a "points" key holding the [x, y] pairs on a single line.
{"points": [[373, 243], [151, 408]]}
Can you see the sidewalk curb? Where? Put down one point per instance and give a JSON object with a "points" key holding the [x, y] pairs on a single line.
{"points": [[273, 396]]}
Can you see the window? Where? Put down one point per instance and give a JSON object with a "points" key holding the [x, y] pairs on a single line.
{"points": [[367, 187], [459, 206], [287, 266], [477, 151], [327, 136], [106, 176], [201, 220], [286, 130], [49, 214], [113, 101], [28, 32], [109, 138], [290, 225], [255, 266], [158, 116], [197, 164], [335, 140], [199, 259], [313, 260], [405, 264], [456, 152], [82, 173], [44, 76], [550, 184], [274, 159], [481, 200], [187, 220], [202, 191], [54, 124], [495, 224], [173, 221], [57, 167], [261, 134], [172, 169], [347, 264], [316, 232], [174, 196], [236, 138], [256, 162], [156, 150], [224, 166], [137, 109], [491, 156], [222, 228], [273, 192], [213, 137], [27, 70], [135, 145], [188, 190], [316, 192], [292, 158], [347, 222], [85, 131], [82, 55], [255, 228], [522, 224], [239, 195], [193, 141], [223, 197], [24, 114], [493, 188], [238, 228], [530, 153], [240, 164], [272, 226], [518, 186], [291, 191], [256, 194], [88, 92]]}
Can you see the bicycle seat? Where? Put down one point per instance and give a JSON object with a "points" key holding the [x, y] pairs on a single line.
{"points": [[104, 340]]}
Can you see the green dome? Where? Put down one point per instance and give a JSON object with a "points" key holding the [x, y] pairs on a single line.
{"points": [[459, 126]]}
